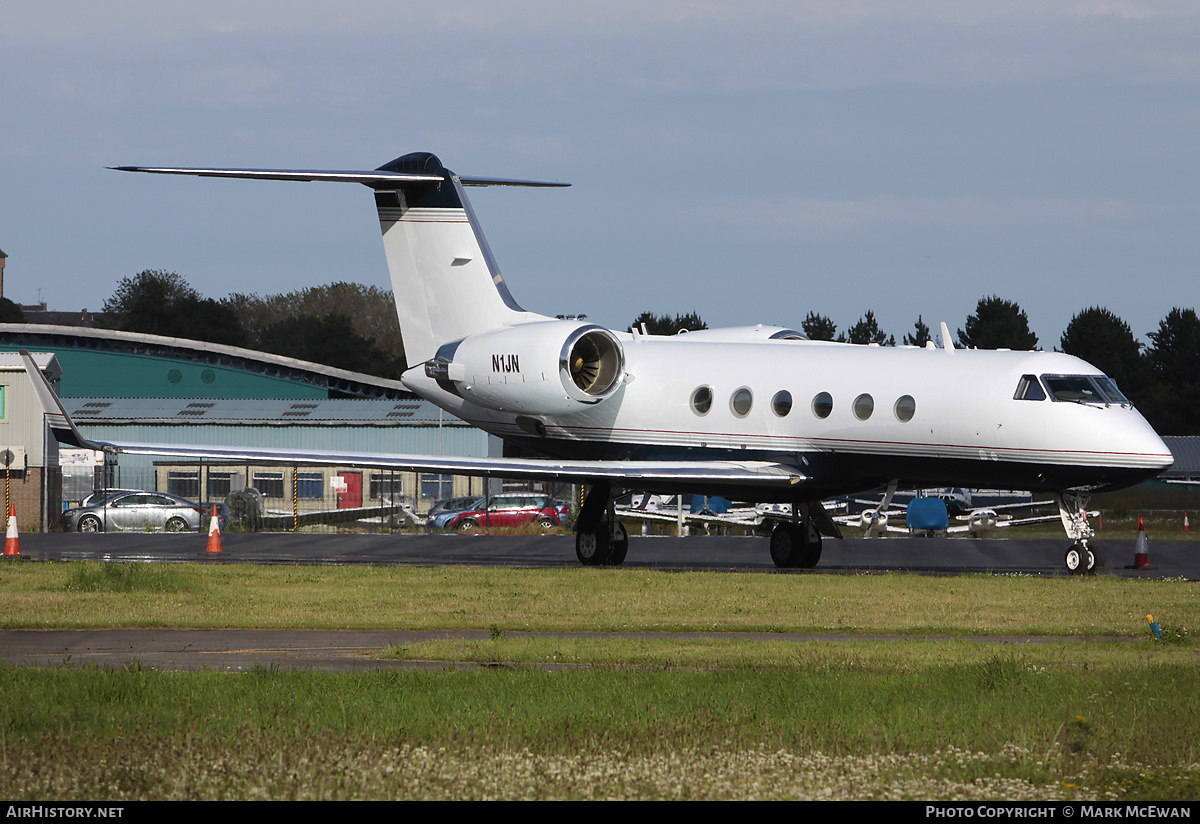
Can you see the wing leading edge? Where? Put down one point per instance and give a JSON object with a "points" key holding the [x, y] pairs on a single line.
{"points": [[762, 474]]}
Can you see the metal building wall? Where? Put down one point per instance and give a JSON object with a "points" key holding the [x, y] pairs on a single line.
{"points": [[88, 373], [33, 480]]}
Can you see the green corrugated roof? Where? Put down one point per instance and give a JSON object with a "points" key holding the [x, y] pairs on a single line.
{"points": [[108, 363], [110, 410]]}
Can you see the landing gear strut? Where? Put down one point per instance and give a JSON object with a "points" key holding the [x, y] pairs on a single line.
{"points": [[600, 539], [1080, 558]]}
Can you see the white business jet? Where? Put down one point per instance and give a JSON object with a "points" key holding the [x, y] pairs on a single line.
{"points": [[750, 413]]}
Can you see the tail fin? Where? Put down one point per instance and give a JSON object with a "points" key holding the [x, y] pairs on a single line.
{"points": [[444, 279]]}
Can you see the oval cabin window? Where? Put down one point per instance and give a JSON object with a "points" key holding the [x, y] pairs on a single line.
{"points": [[822, 405], [781, 404], [741, 402], [864, 405]]}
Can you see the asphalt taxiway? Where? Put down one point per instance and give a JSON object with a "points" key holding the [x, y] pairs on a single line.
{"points": [[1011, 556], [240, 650]]}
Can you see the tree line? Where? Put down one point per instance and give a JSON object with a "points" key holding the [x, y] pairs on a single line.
{"points": [[353, 326], [1162, 379], [344, 325]]}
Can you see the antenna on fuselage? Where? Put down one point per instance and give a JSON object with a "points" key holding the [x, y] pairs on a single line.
{"points": [[947, 344]]}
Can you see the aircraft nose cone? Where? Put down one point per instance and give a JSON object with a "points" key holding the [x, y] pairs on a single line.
{"points": [[1148, 449]]}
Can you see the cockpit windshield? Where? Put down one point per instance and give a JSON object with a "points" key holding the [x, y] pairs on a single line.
{"points": [[1083, 389], [1073, 388]]}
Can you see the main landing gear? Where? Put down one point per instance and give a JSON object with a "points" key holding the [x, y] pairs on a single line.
{"points": [[600, 539], [796, 544], [1080, 559]]}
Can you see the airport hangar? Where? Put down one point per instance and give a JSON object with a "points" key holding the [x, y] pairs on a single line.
{"points": [[135, 387]]}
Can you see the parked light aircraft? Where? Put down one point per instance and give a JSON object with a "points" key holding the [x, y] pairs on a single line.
{"points": [[750, 413], [876, 517], [931, 515]]}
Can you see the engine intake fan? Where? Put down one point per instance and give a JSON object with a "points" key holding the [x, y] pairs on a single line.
{"points": [[593, 362]]}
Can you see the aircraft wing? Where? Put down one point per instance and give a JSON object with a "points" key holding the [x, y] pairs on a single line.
{"points": [[1022, 505], [667, 516], [975, 528], [1038, 519], [749, 473]]}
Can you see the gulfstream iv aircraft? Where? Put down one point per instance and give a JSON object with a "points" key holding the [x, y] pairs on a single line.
{"points": [[752, 414]]}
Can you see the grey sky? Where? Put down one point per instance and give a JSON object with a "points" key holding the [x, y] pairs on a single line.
{"points": [[749, 161]]}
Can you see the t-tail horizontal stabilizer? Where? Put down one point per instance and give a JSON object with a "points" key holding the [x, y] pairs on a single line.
{"points": [[375, 178], [435, 248]]}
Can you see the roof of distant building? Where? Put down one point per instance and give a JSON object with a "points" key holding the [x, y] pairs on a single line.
{"points": [[211, 361], [235, 411], [1186, 449]]}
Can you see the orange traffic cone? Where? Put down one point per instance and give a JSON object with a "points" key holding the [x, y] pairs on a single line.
{"points": [[1141, 549], [214, 533], [12, 546]]}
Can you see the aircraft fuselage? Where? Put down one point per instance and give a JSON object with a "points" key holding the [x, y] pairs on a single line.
{"points": [[849, 417]]}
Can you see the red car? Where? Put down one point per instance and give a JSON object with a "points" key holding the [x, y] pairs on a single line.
{"points": [[512, 509]]}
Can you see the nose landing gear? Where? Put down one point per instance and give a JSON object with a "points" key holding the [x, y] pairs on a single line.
{"points": [[1080, 559], [1072, 509]]}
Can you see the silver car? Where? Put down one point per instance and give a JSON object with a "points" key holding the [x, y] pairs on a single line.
{"points": [[443, 511], [101, 495], [135, 511]]}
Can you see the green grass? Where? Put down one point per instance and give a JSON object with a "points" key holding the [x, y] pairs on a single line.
{"points": [[108, 577], [90, 594], [574, 716], [1023, 729]]}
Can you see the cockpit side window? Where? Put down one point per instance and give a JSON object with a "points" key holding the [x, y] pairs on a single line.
{"points": [[1029, 389], [1109, 387]]}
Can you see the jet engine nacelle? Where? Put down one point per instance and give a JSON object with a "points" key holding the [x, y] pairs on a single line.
{"points": [[546, 368]]}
